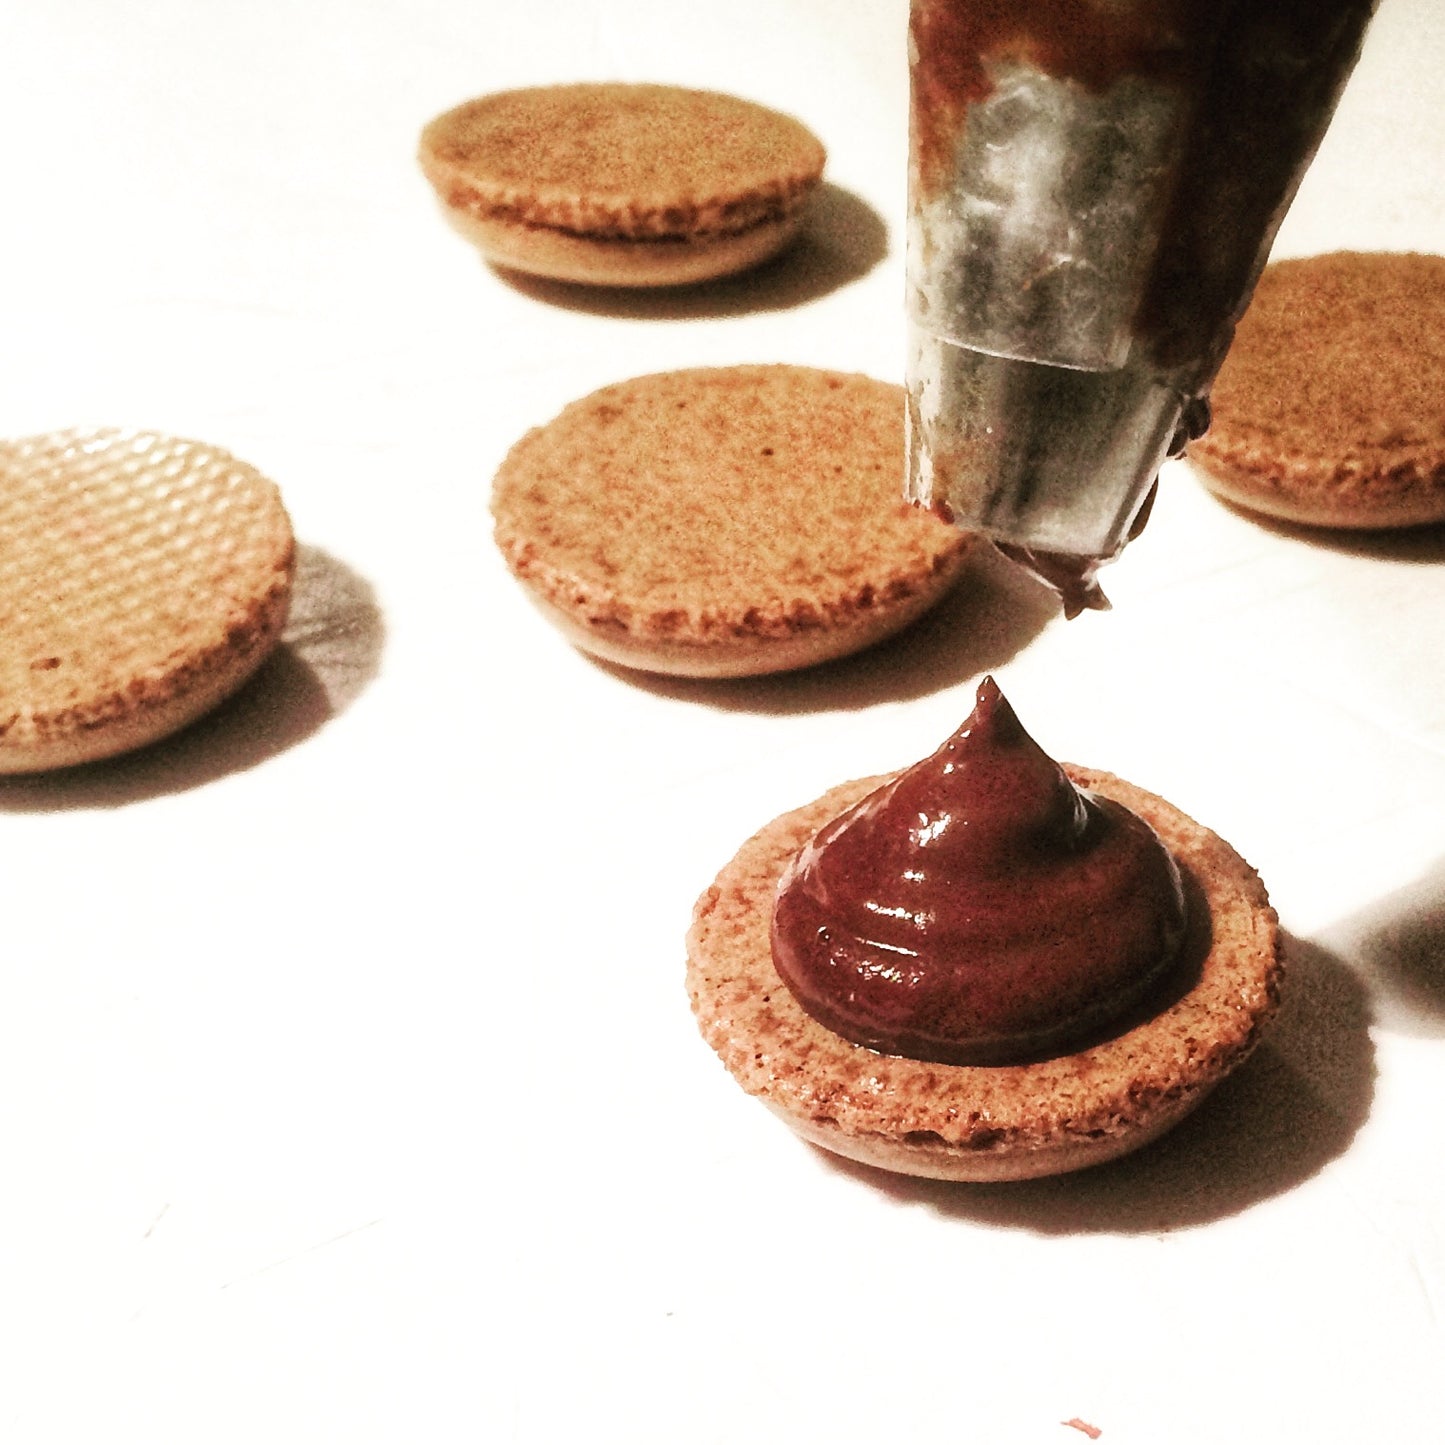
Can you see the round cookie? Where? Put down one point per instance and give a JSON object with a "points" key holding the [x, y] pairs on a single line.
{"points": [[985, 1123], [724, 522], [622, 185], [143, 579], [1327, 409]]}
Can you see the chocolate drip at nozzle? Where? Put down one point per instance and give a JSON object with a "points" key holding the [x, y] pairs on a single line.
{"points": [[1090, 206], [1053, 463]]}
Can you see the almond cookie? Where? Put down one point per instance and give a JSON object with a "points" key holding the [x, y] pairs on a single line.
{"points": [[1327, 409], [723, 522], [1107, 1090], [622, 185], [143, 579]]}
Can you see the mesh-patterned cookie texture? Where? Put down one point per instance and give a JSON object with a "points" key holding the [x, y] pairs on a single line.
{"points": [[142, 578]]}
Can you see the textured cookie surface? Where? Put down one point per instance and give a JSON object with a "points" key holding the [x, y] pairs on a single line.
{"points": [[1327, 409], [985, 1123], [724, 521], [622, 184], [142, 579]]}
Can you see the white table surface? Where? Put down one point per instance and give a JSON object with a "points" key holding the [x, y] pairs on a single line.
{"points": [[348, 1088]]}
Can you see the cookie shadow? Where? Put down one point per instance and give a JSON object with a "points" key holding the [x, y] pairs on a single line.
{"points": [[1398, 946], [842, 240], [1422, 545], [989, 616], [331, 648], [1292, 1108]]}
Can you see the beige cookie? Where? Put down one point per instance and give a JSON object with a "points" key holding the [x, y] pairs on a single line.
{"points": [[1016, 1121], [1327, 409], [724, 522], [142, 580], [622, 185]]}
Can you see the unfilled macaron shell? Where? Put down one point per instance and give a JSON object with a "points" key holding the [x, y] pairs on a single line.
{"points": [[622, 185], [1327, 409], [724, 521], [142, 579]]}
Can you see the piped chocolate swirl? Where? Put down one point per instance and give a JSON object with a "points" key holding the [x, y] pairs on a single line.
{"points": [[978, 908]]}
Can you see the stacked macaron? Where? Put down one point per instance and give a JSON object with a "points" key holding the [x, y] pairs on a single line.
{"points": [[622, 185]]}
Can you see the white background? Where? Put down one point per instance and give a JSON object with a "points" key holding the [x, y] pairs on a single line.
{"points": [[348, 1088]]}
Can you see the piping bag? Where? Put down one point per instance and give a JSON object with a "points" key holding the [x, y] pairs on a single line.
{"points": [[1094, 187]]}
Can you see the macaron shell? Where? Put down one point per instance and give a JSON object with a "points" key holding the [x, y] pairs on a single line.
{"points": [[724, 521], [558, 255], [976, 1123], [554, 178], [1327, 409], [144, 579]]}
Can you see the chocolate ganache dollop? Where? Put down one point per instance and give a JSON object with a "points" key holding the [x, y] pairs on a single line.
{"points": [[978, 908]]}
